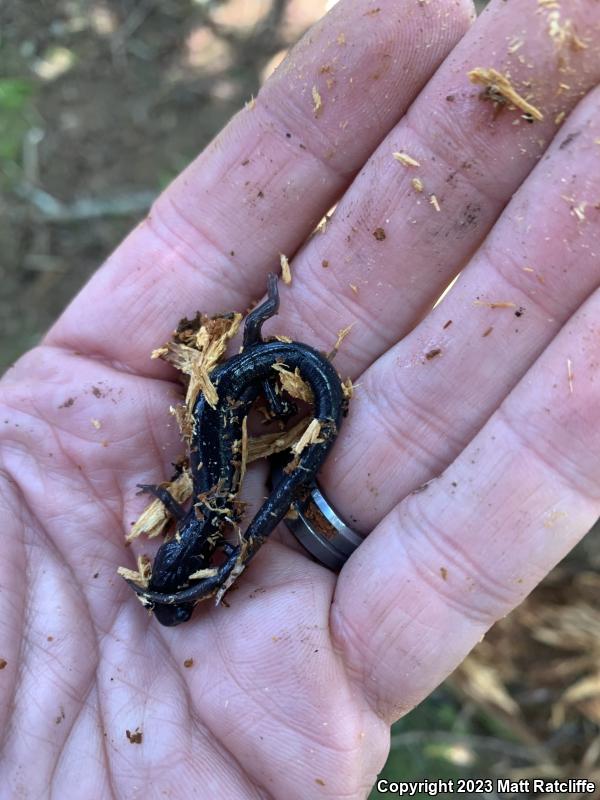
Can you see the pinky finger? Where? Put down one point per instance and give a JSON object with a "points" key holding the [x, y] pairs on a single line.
{"points": [[457, 555]]}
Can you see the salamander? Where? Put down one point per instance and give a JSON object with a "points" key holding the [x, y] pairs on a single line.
{"points": [[199, 544]]}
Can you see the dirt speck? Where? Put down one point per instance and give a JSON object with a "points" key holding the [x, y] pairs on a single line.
{"points": [[379, 234], [189, 662], [68, 403], [568, 139], [135, 737]]}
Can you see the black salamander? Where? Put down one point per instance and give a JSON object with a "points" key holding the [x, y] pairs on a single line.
{"points": [[199, 543]]}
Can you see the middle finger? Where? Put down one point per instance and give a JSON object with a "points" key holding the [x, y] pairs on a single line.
{"points": [[422, 402], [388, 252]]}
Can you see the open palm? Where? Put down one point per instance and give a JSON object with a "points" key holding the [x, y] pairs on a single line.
{"points": [[289, 691]]}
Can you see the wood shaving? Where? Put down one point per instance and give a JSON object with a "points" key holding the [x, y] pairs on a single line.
{"points": [[293, 383], [406, 160], [560, 117], [354, 287], [196, 349], [317, 101], [244, 449], [286, 272], [184, 421], [310, 436], [495, 303], [348, 388], [515, 44], [338, 342], [570, 375], [501, 85], [281, 338], [563, 33], [142, 575], [417, 184], [200, 574], [435, 202], [270, 443], [154, 519], [235, 572]]}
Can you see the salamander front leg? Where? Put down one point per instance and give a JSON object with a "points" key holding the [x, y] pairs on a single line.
{"points": [[166, 498]]}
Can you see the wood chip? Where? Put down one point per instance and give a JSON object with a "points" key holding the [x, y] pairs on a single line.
{"points": [[197, 351], [406, 160], [142, 575], [310, 436], [317, 101], [417, 184], [96, 423], [293, 383], [341, 38], [286, 272], [340, 338], [435, 202], [560, 117], [200, 574], [563, 33], [495, 303], [154, 519], [244, 449], [501, 85], [570, 375], [348, 388], [270, 443], [515, 44]]}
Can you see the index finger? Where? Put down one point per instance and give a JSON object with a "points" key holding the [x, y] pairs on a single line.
{"points": [[266, 180]]}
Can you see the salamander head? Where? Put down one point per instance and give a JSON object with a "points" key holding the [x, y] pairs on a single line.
{"points": [[174, 614]]}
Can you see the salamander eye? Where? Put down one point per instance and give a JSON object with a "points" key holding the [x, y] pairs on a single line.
{"points": [[173, 615]]}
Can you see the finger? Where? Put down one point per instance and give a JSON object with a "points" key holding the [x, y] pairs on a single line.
{"points": [[473, 155], [422, 402], [449, 561], [262, 185]]}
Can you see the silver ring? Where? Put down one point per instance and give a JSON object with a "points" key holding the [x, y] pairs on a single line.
{"points": [[320, 529]]}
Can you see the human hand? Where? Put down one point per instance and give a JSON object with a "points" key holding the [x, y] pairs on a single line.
{"points": [[492, 394]]}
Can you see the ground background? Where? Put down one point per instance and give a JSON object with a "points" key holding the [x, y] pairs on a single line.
{"points": [[102, 103]]}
